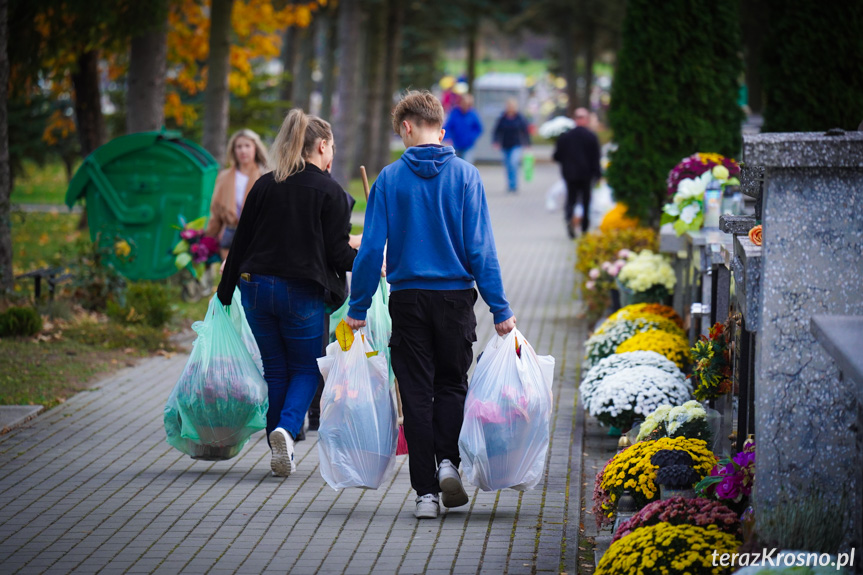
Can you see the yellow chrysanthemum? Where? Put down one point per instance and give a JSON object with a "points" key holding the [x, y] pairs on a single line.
{"points": [[616, 219], [674, 346], [631, 469], [647, 309], [666, 548]]}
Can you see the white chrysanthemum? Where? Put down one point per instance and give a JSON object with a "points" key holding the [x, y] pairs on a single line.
{"points": [[556, 126], [616, 362], [639, 390]]}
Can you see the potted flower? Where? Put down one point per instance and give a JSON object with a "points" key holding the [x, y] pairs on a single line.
{"points": [[602, 278], [668, 548], [687, 184], [608, 337], [617, 362], [634, 391], [646, 278], [712, 370], [688, 420], [731, 480], [632, 470], [697, 511]]}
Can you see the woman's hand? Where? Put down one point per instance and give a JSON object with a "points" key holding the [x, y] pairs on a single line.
{"points": [[355, 240]]}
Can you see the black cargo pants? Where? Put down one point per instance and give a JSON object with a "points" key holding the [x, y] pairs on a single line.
{"points": [[432, 349]]}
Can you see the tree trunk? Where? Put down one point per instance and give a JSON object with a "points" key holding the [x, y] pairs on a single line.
{"points": [[303, 68], [145, 96], [344, 119], [377, 64], [392, 52], [472, 39], [753, 14], [88, 104], [567, 64], [330, 45], [88, 109], [589, 56], [216, 95], [7, 277], [289, 52]]}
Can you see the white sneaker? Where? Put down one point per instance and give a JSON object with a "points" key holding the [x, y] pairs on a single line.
{"points": [[427, 507], [452, 490], [282, 446]]}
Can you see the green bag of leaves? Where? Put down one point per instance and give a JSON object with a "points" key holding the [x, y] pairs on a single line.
{"points": [[220, 399], [527, 162]]}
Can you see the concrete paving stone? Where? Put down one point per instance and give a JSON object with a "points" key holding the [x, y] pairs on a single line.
{"points": [[142, 501]]}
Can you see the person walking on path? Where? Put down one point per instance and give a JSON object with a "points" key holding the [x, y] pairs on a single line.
{"points": [[463, 128], [247, 160], [510, 134], [290, 254], [430, 210], [577, 152]]}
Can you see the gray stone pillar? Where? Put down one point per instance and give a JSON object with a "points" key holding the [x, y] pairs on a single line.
{"points": [[812, 264]]}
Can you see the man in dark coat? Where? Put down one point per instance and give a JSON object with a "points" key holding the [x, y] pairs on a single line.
{"points": [[577, 152]]}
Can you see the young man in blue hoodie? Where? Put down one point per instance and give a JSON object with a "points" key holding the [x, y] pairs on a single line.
{"points": [[429, 209]]}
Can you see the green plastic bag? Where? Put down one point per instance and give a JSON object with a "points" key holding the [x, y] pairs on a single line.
{"points": [[527, 162], [220, 399], [379, 326]]}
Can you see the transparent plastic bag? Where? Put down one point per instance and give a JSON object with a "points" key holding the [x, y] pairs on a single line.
{"points": [[241, 324], [358, 432], [220, 399], [379, 325], [507, 416]]}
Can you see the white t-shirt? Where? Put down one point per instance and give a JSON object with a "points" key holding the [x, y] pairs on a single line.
{"points": [[241, 180]]}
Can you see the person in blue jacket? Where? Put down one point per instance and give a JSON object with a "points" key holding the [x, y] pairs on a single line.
{"points": [[463, 128], [429, 208]]}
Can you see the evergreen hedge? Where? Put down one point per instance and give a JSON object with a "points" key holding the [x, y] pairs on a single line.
{"points": [[813, 66], [675, 93]]}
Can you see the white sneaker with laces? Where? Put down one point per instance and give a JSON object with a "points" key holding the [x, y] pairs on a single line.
{"points": [[282, 447], [427, 507], [452, 490]]}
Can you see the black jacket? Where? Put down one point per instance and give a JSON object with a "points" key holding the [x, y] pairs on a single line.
{"points": [[294, 229], [577, 152], [511, 132]]}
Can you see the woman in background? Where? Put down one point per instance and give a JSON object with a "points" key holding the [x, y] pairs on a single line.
{"points": [[247, 160], [290, 254]]}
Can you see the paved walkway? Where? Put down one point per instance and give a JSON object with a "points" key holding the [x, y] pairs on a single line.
{"points": [[92, 486]]}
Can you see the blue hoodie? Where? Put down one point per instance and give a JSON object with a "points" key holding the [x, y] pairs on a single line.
{"points": [[429, 209]]}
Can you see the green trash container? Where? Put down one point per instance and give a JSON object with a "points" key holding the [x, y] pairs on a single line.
{"points": [[137, 187]]}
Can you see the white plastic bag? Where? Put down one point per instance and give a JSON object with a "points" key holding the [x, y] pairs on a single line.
{"points": [[507, 416], [358, 432]]}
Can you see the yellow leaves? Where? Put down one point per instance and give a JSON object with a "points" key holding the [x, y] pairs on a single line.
{"points": [[44, 239], [344, 335], [257, 33], [59, 127]]}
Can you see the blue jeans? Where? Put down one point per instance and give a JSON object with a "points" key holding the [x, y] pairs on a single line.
{"points": [[287, 319], [511, 159]]}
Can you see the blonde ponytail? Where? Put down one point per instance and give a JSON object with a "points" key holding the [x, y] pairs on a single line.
{"points": [[296, 139]]}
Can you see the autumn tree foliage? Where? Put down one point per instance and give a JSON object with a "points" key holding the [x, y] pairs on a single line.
{"points": [[257, 30]]}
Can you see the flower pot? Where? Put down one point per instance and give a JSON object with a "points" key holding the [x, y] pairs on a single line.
{"points": [[615, 300], [668, 493]]}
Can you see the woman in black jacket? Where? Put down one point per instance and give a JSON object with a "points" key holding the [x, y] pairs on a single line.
{"points": [[290, 254]]}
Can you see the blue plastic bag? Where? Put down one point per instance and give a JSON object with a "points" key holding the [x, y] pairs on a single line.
{"points": [[507, 416], [358, 432], [220, 399]]}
